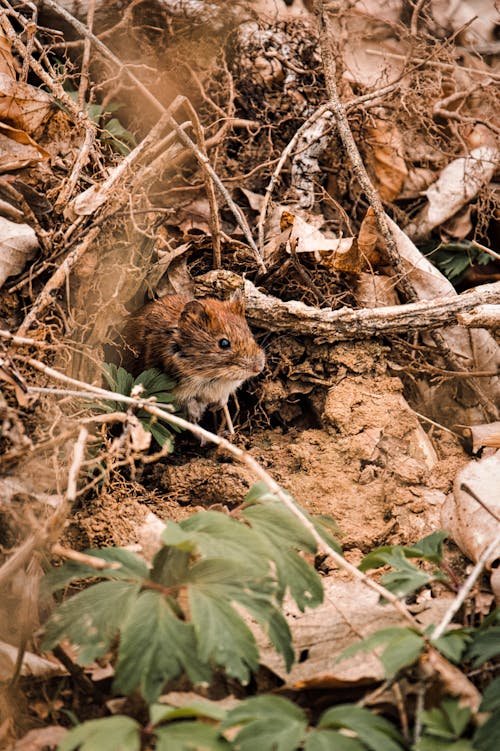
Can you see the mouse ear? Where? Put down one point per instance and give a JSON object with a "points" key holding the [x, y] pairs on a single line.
{"points": [[237, 302], [193, 313]]}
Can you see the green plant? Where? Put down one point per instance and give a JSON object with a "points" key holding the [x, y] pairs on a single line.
{"points": [[151, 384], [454, 258], [112, 132], [217, 562], [184, 613]]}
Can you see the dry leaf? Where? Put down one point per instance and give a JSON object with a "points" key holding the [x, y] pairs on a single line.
{"points": [[485, 435], [477, 347], [473, 527], [373, 291], [41, 739], [452, 678], [23, 105], [385, 157], [350, 612], [32, 665], [456, 186], [18, 243], [18, 149], [7, 65], [334, 253]]}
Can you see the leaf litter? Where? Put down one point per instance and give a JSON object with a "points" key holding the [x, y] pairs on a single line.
{"points": [[330, 421]]}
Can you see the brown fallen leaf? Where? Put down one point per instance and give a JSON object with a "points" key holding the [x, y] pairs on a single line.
{"points": [[385, 157], [350, 612], [473, 525], [18, 244], [22, 105], [7, 64], [41, 739], [483, 435]]}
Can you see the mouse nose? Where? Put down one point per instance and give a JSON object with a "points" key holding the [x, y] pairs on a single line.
{"points": [[259, 362]]}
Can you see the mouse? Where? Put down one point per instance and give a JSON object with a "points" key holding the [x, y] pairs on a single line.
{"points": [[204, 344]]}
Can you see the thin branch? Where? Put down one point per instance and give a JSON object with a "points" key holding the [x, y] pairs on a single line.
{"points": [[88, 560], [466, 588], [57, 280]]}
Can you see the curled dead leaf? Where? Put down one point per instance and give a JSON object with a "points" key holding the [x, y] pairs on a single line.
{"points": [[474, 525], [18, 243]]}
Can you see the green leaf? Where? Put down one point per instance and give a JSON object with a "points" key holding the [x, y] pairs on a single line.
{"points": [[258, 492], [131, 567], [431, 743], [491, 697], [272, 622], [283, 534], [190, 736], [485, 646], [453, 644], [375, 732], [270, 723], [223, 636], [216, 535], [405, 579], [430, 548], [280, 525], [326, 527], [92, 618], [487, 737], [211, 710], [155, 647], [402, 647], [448, 721], [331, 740], [117, 733]]}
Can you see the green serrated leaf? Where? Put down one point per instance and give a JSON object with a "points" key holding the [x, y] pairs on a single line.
{"points": [[211, 710], [402, 647], [270, 723], [327, 527], [171, 566], [282, 534], [375, 732], [259, 492], [431, 743], [487, 737], [405, 581], [155, 647], [92, 618], [213, 617], [118, 733], [215, 535], [448, 721], [491, 697], [280, 525], [190, 736], [272, 622], [485, 646], [430, 548], [131, 567], [453, 644], [331, 740]]}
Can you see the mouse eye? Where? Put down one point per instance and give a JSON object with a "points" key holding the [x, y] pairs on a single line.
{"points": [[224, 344]]}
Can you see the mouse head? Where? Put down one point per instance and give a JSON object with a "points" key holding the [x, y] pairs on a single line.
{"points": [[213, 340]]}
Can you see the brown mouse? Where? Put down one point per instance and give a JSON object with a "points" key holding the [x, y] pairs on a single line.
{"points": [[205, 345]]}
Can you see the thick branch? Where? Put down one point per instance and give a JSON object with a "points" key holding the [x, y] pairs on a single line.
{"points": [[336, 325]]}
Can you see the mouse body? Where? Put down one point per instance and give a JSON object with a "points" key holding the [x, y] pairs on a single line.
{"points": [[205, 345]]}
